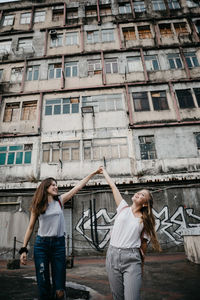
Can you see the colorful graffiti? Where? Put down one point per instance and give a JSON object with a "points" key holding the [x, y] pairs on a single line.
{"points": [[95, 226]]}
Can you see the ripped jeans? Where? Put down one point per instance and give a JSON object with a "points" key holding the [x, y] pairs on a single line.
{"points": [[50, 251]]}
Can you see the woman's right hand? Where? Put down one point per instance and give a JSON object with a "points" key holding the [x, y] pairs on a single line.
{"points": [[23, 258]]}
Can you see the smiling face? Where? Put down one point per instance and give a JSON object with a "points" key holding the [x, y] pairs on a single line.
{"points": [[52, 190], [141, 198]]}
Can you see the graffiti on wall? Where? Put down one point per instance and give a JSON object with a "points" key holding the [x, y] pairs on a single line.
{"points": [[95, 227]]}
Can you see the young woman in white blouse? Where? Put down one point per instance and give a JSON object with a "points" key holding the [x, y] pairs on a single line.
{"points": [[49, 247], [134, 226]]}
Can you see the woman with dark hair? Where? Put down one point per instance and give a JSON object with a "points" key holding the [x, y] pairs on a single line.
{"points": [[134, 226], [49, 248]]}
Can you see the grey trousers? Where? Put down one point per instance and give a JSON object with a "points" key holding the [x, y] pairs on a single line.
{"points": [[124, 272]]}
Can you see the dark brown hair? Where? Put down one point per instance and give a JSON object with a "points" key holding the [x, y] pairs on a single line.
{"points": [[149, 222], [40, 197]]}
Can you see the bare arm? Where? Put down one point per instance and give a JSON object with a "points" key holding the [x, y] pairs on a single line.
{"points": [[67, 196], [27, 236], [117, 196]]}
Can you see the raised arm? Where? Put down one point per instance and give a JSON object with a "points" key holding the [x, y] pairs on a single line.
{"points": [[67, 196], [116, 193]]}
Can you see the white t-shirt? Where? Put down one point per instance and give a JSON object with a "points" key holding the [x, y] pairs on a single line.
{"points": [[127, 228]]}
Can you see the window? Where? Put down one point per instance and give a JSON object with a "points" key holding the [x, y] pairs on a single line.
{"points": [[134, 64], [158, 5], [105, 11], [71, 69], [55, 71], [72, 13], [5, 46], [62, 106], [197, 136], [140, 101], [107, 35], [147, 147], [57, 13], [33, 73], [181, 28], [197, 95], [125, 8], [56, 40], [159, 100], [8, 20], [93, 37], [173, 4], [103, 102], [111, 65], [60, 151], [29, 110], [72, 38], [25, 44], [1, 73], [39, 16], [12, 111], [94, 67], [197, 24], [191, 60], [91, 11], [174, 61], [129, 34], [144, 32], [165, 30], [151, 63], [25, 18], [16, 74], [15, 155], [185, 98], [111, 148], [191, 3], [139, 6]]}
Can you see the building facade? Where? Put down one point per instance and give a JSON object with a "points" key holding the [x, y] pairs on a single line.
{"points": [[89, 83]]}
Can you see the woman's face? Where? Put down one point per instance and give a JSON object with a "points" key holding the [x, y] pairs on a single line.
{"points": [[53, 189], [141, 198]]}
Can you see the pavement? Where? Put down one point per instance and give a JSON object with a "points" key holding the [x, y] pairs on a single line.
{"points": [[166, 277]]}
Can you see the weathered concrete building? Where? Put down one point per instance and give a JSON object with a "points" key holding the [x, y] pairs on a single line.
{"points": [[89, 83]]}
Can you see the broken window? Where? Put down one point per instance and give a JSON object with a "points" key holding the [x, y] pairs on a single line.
{"points": [[15, 155], [129, 34], [57, 13], [25, 18], [144, 32], [191, 59], [33, 73], [62, 106], [16, 74], [173, 4], [134, 64], [197, 95], [181, 28], [147, 147], [141, 101], [56, 40], [111, 65], [159, 100], [12, 111], [139, 6], [151, 62], [55, 71], [71, 69], [185, 98], [107, 35], [165, 30], [94, 67], [125, 8], [158, 5], [8, 20], [105, 102], [93, 36], [72, 38], [5, 46], [29, 110], [175, 61], [39, 16]]}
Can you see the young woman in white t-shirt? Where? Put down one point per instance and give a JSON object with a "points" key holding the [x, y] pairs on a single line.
{"points": [[134, 226]]}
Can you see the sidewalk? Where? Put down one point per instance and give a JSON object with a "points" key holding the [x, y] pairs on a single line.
{"points": [[166, 277]]}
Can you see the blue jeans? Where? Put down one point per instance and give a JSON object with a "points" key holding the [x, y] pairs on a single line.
{"points": [[50, 251]]}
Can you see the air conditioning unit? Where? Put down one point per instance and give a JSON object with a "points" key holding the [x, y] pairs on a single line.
{"points": [[53, 34]]}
